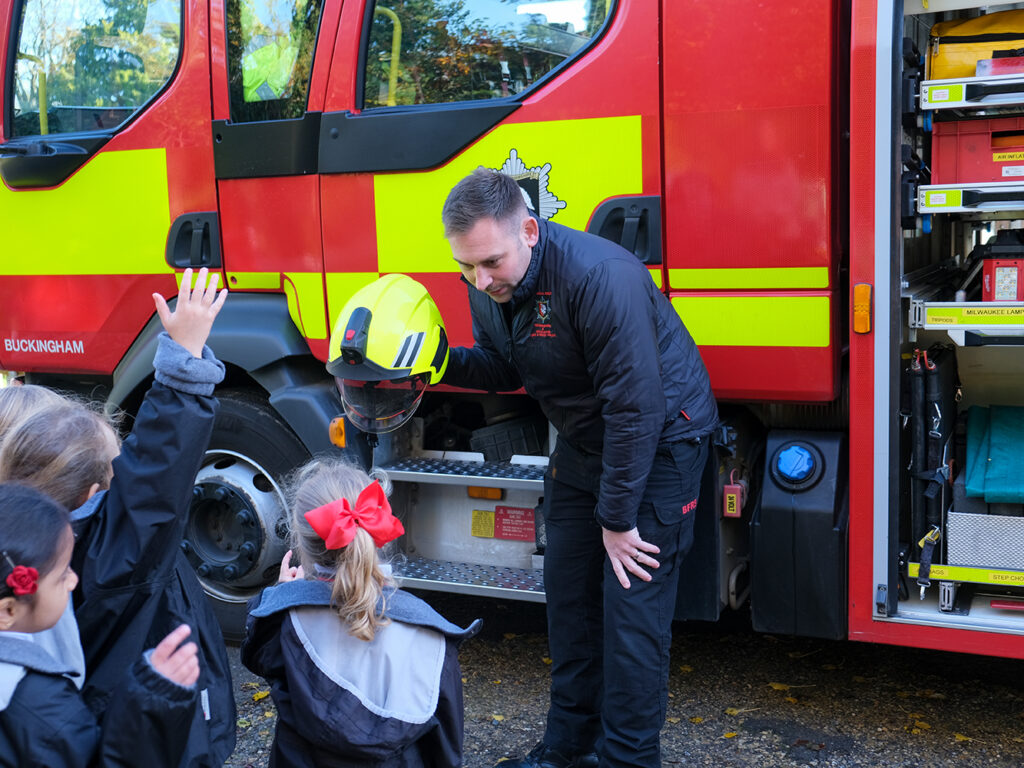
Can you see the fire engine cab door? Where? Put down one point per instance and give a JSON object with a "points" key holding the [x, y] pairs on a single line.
{"points": [[270, 63], [560, 94], [106, 113]]}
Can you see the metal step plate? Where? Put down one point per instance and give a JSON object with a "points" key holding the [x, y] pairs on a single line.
{"points": [[493, 474], [466, 578]]}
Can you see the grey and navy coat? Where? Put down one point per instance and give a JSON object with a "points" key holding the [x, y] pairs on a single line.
{"points": [[44, 722], [134, 583], [588, 334], [395, 701]]}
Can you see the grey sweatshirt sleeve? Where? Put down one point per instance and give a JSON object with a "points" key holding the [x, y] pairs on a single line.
{"points": [[178, 369]]}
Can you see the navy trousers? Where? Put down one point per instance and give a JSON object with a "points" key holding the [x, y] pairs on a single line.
{"points": [[609, 645]]}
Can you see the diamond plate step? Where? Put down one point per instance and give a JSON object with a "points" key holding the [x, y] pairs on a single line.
{"points": [[466, 578], [493, 474]]}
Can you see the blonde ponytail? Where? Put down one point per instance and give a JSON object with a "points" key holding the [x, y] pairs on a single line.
{"points": [[359, 581]]}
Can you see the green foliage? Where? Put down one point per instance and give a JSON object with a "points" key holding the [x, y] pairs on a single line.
{"points": [[101, 64], [448, 54]]}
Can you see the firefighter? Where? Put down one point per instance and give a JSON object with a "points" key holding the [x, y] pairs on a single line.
{"points": [[577, 321], [382, 369]]}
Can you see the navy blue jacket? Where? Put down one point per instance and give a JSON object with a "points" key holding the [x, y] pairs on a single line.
{"points": [[135, 584], [394, 702], [44, 723], [592, 339]]}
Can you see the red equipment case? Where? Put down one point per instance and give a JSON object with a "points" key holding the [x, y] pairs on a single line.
{"points": [[1002, 280], [975, 151]]}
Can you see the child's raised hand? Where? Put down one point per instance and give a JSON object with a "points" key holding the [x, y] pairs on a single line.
{"points": [[190, 322], [289, 572], [178, 664]]}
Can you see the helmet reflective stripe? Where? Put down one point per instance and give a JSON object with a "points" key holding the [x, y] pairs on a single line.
{"points": [[407, 354]]}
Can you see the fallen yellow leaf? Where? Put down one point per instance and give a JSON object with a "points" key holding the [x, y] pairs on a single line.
{"points": [[791, 699], [499, 718], [697, 720], [729, 735], [672, 719], [779, 686], [260, 695], [264, 733], [510, 635], [463, 680], [686, 669], [250, 685], [268, 713], [922, 725], [738, 711], [242, 723], [859, 679], [546, 659], [496, 682], [961, 737]]}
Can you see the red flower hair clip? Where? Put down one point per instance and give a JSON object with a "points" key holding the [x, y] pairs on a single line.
{"points": [[23, 579], [336, 522]]}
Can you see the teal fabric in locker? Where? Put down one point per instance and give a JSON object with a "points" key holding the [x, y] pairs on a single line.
{"points": [[1004, 477], [977, 450]]}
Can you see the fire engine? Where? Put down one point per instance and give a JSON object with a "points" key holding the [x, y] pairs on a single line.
{"points": [[830, 207]]}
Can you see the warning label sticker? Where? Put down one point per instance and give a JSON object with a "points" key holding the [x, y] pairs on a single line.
{"points": [[483, 524], [514, 523], [1007, 157], [509, 523]]}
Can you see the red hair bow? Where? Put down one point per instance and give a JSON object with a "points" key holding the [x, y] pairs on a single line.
{"points": [[336, 522]]}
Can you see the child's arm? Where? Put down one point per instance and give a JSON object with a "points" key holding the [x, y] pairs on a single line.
{"points": [[150, 714], [135, 530]]}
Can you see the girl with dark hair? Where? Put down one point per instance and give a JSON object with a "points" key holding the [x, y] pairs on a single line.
{"points": [[361, 673], [43, 720], [130, 505]]}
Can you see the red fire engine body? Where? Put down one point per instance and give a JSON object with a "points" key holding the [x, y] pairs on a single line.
{"points": [[749, 154]]}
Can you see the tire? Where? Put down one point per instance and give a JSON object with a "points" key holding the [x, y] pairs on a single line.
{"points": [[237, 533]]}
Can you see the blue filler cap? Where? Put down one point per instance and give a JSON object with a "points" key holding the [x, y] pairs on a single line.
{"points": [[795, 463]]}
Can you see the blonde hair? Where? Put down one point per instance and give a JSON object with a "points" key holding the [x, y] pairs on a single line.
{"points": [[60, 451], [19, 403], [359, 581]]}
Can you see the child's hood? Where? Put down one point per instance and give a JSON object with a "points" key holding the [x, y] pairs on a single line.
{"points": [[399, 606], [19, 655]]}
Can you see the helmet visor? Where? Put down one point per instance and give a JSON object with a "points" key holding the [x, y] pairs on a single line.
{"points": [[382, 406]]}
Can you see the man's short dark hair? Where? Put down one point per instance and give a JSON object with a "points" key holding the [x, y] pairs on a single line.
{"points": [[484, 194]]}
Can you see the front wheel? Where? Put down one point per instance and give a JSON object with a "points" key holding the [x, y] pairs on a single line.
{"points": [[237, 531]]}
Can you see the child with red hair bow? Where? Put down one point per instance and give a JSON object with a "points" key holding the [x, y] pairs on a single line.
{"points": [[361, 672]]}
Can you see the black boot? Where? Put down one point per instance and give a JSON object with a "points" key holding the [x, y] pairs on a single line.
{"points": [[543, 756]]}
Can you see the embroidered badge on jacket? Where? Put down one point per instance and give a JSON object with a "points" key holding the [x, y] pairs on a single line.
{"points": [[542, 319]]}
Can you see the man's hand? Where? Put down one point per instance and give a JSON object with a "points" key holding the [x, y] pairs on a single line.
{"points": [[190, 322], [628, 552]]}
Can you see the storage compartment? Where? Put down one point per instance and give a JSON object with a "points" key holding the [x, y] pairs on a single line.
{"points": [[956, 46], [985, 541], [977, 151]]}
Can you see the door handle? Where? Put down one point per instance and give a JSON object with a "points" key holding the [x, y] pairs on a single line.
{"points": [[194, 241], [634, 222]]}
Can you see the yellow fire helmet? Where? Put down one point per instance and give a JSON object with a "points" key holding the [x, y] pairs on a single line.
{"points": [[387, 346]]}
